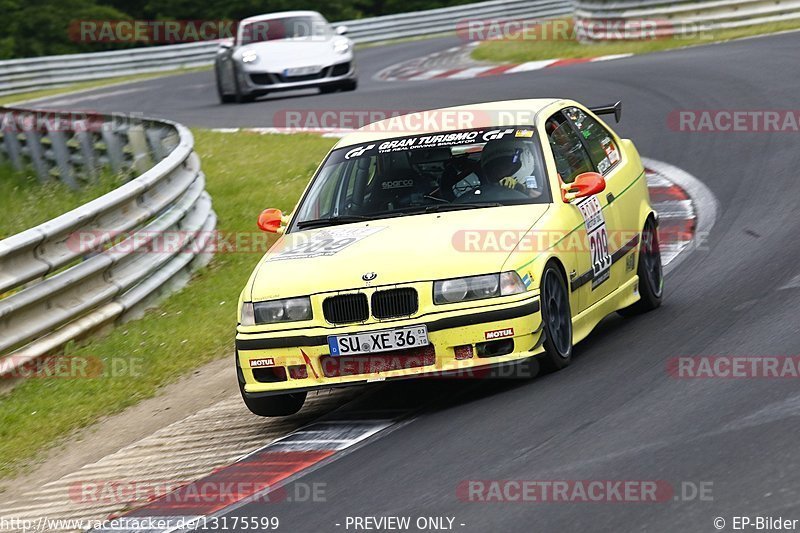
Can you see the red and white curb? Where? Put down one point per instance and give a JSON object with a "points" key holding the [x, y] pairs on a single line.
{"points": [[686, 207], [453, 64], [260, 476]]}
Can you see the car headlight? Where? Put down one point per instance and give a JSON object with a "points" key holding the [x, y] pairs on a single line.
{"points": [[249, 57], [477, 287], [341, 46], [272, 311]]}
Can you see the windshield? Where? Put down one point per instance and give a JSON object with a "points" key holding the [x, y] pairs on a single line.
{"points": [[433, 172], [284, 28]]}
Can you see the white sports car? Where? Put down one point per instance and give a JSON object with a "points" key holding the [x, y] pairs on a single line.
{"points": [[282, 51]]}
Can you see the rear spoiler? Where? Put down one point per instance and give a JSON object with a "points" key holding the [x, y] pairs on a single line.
{"points": [[613, 109]]}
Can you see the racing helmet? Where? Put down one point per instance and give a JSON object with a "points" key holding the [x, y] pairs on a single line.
{"points": [[508, 158]]}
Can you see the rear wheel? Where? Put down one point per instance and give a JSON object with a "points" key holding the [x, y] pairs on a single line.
{"points": [[556, 320], [650, 272]]}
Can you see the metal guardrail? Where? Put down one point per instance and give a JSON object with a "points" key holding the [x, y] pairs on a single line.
{"points": [[19, 75], [106, 260], [659, 18]]}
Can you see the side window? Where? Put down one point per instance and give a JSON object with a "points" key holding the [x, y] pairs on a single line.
{"points": [[568, 150], [602, 148]]}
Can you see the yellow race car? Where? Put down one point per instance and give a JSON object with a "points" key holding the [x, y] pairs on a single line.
{"points": [[417, 250]]}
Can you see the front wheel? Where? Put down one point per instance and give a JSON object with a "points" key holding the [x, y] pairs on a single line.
{"points": [[223, 98], [241, 97], [650, 272], [556, 320], [278, 405]]}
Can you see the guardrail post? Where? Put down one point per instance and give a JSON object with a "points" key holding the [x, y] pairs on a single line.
{"points": [[86, 141], [141, 153], [61, 153], [12, 148], [156, 139], [113, 147], [33, 140]]}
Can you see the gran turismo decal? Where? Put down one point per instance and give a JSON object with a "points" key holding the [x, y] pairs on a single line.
{"points": [[358, 152], [439, 140]]}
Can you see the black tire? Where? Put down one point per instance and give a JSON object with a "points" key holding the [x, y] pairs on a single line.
{"points": [[650, 272], [223, 98], [279, 405], [351, 85], [556, 320], [328, 89]]}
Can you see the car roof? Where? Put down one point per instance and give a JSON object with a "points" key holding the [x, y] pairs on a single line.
{"points": [[282, 14], [482, 115]]}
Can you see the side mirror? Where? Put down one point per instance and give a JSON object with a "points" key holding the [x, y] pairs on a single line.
{"points": [[225, 45], [270, 220], [586, 184], [341, 30]]}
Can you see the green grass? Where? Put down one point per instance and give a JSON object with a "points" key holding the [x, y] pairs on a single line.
{"points": [[25, 202], [95, 84], [245, 174], [520, 51]]}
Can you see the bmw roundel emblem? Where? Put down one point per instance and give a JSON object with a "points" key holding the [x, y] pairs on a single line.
{"points": [[369, 276]]}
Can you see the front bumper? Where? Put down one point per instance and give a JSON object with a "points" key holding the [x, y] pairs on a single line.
{"points": [[258, 81], [519, 322]]}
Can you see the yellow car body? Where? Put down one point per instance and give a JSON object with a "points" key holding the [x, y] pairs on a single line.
{"points": [[414, 251]]}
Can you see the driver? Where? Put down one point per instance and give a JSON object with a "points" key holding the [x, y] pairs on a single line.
{"points": [[512, 164]]}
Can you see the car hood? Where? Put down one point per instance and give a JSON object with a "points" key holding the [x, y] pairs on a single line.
{"points": [[397, 250], [278, 55]]}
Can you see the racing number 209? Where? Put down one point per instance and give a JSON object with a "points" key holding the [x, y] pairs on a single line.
{"points": [[598, 244]]}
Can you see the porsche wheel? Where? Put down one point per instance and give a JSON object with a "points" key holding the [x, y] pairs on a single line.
{"points": [[556, 320], [650, 272], [241, 96], [223, 98]]}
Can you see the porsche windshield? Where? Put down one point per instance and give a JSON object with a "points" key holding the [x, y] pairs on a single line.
{"points": [[284, 28], [426, 173]]}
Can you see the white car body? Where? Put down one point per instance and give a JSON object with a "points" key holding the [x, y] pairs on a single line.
{"points": [[283, 51]]}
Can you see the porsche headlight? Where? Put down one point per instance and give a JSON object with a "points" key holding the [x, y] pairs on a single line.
{"points": [[272, 311], [477, 287], [249, 57], [341, 46]]}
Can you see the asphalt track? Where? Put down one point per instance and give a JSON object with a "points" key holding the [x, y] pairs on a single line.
{"points": [[615, 414]]}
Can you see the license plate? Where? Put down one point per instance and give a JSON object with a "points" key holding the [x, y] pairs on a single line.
{"points": [[301, 71], [378, 341]]}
